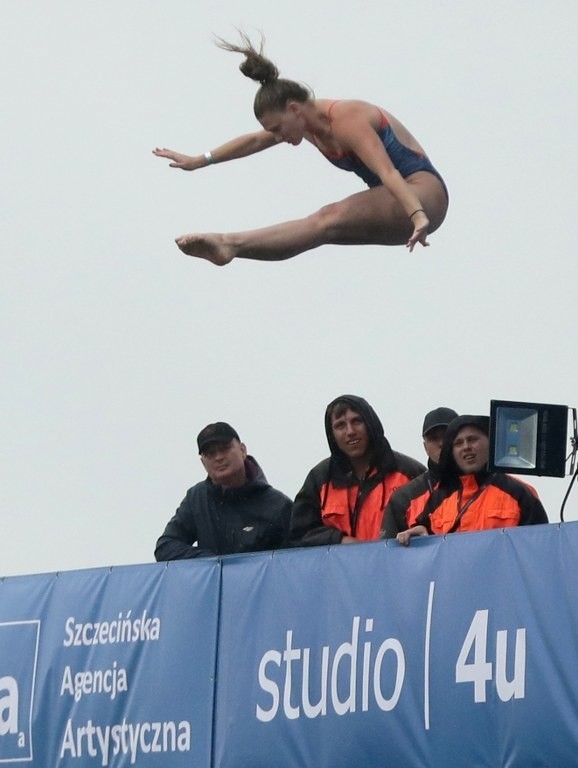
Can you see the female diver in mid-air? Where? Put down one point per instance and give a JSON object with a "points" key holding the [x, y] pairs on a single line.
{"points": [[406, 199]]}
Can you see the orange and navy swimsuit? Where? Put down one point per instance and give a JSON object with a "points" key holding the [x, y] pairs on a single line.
{"points": [[404, 159]]}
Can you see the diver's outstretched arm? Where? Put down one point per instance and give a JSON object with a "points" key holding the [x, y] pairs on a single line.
{"points": [[242, 146]]}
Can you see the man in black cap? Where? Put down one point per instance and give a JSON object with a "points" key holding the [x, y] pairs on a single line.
{"points": [[409, 501], [233, 510]]}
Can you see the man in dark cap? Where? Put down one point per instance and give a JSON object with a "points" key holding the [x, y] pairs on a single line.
{"points": [[408, 502], [233, 510], [343, 497], [469, 497]]}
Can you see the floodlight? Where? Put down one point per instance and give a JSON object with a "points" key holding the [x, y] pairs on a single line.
{"points": [[528, 438]]}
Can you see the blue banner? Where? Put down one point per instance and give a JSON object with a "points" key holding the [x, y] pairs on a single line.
{"points": [[457, 651], [109, 667]]}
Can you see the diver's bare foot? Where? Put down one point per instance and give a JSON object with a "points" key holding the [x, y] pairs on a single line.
{"points": [[213, 248]]}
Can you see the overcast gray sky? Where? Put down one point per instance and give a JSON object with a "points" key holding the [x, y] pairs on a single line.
{"points": [[117, 348]]}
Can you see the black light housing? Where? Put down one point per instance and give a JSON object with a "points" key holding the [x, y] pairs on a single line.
{"points": [[528, 438]]}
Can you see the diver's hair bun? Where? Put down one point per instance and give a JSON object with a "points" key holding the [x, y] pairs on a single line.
{"points": [[274, 92], [256, 66]]}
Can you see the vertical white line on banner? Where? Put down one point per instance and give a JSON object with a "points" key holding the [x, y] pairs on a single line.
{"points": [[427, 655]]}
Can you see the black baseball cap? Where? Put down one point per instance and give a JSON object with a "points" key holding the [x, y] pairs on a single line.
{"points": [[439, 417], [219, 432]]}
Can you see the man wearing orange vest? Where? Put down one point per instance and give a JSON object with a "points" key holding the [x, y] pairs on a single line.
{"points": [[343, 498], [408, 502], [469, 497]]}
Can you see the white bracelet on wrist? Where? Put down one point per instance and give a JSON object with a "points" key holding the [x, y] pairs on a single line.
{"points": [[209, 158]]}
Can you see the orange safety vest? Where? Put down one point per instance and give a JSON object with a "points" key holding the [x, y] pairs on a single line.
{"points": [[475, 508], [357, 513]]}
